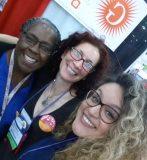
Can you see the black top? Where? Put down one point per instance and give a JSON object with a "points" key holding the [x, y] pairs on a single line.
{"points": [[61, 115], [35, 134]]}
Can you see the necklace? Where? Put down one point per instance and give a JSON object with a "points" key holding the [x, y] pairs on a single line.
{"points": [[50, 94], [51, 86], [51, 97]]}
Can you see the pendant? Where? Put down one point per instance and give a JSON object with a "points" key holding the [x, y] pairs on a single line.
{"points": [[50, 95], [45, 102]]}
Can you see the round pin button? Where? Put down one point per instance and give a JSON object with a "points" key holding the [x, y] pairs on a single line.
{"points": [[47, 123]]}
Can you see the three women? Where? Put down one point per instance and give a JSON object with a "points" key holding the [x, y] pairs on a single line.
{"points": [[84, 60], [106, 120]]}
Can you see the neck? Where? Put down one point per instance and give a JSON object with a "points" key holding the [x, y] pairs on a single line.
{"points": [[61, 84], [17, 75]]}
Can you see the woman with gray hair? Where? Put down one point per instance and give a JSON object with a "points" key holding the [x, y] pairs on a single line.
{"points": [[19, 67]]}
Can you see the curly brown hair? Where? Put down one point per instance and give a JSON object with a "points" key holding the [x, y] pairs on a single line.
{"points": [[124, 138], [83, 86]]}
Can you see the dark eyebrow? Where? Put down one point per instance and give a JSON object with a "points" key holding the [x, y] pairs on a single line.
{"points": [[111, 105], [82, 53]]}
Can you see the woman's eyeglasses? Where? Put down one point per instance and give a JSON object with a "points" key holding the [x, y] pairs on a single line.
{"points": [[32, 40], [77, 55], [106, 113]]}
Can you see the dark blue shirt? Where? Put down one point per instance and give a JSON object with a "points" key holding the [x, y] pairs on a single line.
{"points": [[45, 149], [16, 102]]}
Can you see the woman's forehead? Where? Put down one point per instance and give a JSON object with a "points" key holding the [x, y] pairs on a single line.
{"points": [[89, 50], [111, 93]]}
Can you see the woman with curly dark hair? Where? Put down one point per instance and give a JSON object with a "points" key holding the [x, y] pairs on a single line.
{"points": [[100, 68], [83, 62]]}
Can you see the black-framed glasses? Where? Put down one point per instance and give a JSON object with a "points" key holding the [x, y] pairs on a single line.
{"points": [[106, 113], [32, 40], [77, 55]]}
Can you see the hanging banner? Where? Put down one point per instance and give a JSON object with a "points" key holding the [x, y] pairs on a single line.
{"points": [[113, 20]]}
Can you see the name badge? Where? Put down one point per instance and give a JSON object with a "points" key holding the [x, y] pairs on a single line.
{"points": [[18, 129]]}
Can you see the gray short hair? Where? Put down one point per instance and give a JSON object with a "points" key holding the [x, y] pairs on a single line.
{"points": [[36, 20]]}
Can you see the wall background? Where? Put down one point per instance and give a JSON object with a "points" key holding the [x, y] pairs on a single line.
{"points": [[133, 46]]}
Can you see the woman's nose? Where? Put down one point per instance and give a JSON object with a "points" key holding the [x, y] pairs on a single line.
{"points": [[78, 64], [95, 111], [35, 48]]}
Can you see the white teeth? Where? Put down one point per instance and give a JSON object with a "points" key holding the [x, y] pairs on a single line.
{"points": [[29, 59], [87, 121], [72, 72]]}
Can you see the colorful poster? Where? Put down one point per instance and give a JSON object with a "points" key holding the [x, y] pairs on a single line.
{"points": [[112, 20]]}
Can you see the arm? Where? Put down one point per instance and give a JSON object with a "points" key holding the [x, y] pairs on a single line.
{"points": [[8, 39]]}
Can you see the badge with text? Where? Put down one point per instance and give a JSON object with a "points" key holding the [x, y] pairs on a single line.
{"points": [[47, 123], [18, 129]]}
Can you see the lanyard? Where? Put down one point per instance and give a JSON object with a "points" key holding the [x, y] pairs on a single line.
{"points": [[13, 130], [38, 92], [20, 126], [8, 96]]}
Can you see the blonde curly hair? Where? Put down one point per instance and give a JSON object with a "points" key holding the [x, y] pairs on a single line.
{"points": [[123, 139]]}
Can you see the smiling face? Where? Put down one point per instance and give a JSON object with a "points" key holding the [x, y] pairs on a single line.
{"points": [[30, 58], [88, 122], [72, 70]]}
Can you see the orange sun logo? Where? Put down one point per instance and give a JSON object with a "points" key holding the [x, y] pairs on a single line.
{"points": [[114, 16]]}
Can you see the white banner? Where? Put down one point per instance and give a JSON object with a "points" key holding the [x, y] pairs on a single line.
{"points": [[113, 20]]}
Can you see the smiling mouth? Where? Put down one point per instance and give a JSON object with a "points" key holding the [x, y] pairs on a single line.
{"points": [[87, 121], [30, 59]]}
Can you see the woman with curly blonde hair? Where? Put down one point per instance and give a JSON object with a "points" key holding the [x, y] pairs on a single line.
{"points": [[109, 123]]}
